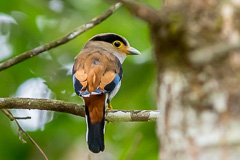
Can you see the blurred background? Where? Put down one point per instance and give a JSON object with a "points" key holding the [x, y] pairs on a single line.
{"points": [[27, 24]]}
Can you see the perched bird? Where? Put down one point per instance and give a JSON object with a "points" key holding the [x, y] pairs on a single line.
{"points": [[97, 74]]}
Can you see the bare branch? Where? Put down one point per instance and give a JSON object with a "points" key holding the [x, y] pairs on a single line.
{"points": [[144, 12], [77, 109], [22, 118], [42, 104], [132, 115], [21, 131], [31, 53], [8, 114], [11, 117], [205, 55]]}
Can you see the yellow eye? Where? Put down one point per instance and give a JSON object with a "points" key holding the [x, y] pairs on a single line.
{"points": [[117, 44]]}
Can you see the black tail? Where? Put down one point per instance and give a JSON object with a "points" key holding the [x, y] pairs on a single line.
{"points": [[95, 134]]}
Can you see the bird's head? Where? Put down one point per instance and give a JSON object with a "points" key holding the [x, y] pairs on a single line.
{"points": [[115, 44]]}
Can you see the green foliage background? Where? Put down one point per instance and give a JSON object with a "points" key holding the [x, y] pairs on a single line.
{"points": [[64, 137]]}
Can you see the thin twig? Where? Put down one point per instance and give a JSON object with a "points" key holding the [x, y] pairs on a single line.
{"points": [[78, 109], [21, 131], [11, 117], [31, 53], [8, 114], [22, 118]]}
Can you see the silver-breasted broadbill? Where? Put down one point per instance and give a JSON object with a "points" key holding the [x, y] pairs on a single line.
{"points": [[97, 74]]}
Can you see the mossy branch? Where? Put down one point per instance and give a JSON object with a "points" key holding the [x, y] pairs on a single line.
{"points": [[78, 109]]}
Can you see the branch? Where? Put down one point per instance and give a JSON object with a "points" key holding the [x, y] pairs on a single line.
{"points": [[77, 109], [31, 53], [144, 12], [42, 104], [205, 55], [132, 115], [21, 131]]}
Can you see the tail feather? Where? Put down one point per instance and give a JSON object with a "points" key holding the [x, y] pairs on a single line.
{"points": [[95, 133]]}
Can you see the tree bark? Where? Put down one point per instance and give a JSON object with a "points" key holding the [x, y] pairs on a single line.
{"points": [[198, 93]]}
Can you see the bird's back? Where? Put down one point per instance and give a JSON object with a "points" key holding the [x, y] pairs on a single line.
{"points": [[96, 67]]}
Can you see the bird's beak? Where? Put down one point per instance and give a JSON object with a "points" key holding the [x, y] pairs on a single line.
{"points": [[132, 51]]}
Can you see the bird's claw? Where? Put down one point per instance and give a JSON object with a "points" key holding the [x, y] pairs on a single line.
{"points": [[109, 107]]}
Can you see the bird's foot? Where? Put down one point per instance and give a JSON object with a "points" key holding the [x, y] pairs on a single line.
{"points": [[109, 106]]}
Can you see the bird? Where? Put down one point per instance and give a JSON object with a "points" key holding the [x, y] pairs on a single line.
{"points": [[97, 74]]}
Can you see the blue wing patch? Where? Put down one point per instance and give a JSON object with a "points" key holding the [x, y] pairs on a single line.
{"points": [[77, 85], [110, 87], [98, 91], [85, 93]]}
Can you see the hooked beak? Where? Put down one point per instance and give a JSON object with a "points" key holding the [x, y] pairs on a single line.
{"points": [[133, 51]]}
